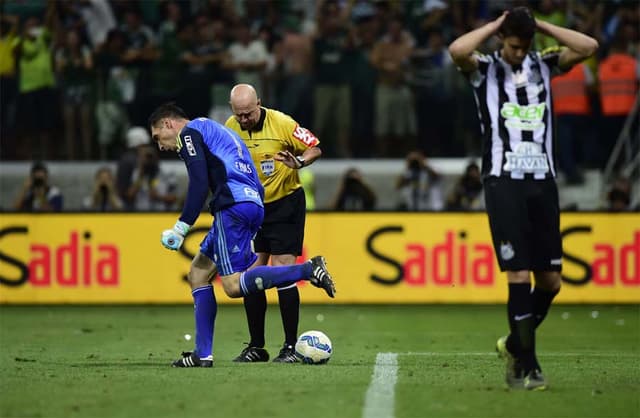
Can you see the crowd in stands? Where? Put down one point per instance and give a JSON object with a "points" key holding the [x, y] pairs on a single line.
{"points": [[371, 78]]}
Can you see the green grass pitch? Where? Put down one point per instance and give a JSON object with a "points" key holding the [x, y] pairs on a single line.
{"points": [[113, 362]]}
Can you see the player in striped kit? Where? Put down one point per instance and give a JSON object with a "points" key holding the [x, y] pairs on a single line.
{"points": [[512, 91]]}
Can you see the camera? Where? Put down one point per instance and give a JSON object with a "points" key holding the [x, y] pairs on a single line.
{"points": [[414, 165], [38, 183]]}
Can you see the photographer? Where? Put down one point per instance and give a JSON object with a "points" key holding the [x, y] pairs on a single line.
{"points": [[354, 194], [467, 192], [150, 189], [419, 185], [38, 195], [104, 197]]}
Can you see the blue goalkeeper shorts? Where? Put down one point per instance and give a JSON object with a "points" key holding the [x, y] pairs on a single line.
{"points": [[229, 241]]}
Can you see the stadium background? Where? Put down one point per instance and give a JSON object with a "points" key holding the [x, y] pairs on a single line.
{"points": [[161, 39]]}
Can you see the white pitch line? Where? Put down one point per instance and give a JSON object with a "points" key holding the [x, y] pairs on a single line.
{"points": [[379, 402], [542, 354]]}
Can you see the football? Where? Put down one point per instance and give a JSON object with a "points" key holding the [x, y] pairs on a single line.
{"points": [[313, 347]]}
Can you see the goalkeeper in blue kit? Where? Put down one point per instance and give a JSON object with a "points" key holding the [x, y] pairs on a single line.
{"points": [[218, 161]]}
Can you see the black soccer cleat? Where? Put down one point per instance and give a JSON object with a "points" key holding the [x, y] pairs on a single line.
{"points": [[252, 355], [320, 276], [190, 359], [287, 355]]}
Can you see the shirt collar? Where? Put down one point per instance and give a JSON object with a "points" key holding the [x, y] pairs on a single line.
{"points": [[260, 124]]}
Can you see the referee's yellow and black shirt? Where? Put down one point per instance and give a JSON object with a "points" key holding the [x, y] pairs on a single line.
{"points": [[275, 131]]}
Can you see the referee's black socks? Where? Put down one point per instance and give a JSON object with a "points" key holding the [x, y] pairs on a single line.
{"points": [[255, 305], [289, 300]]}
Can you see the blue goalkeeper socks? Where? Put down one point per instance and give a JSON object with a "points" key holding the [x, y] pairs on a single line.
{"points": [[205, 309], [265, 277]]}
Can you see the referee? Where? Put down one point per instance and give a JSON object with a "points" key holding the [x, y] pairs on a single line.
{"points": [[512, 91], [279, 147]]}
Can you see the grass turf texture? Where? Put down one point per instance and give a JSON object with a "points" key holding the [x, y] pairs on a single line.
{"points": [[113, 362]]}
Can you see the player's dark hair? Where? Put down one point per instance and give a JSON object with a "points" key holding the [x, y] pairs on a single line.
{"points": [[167, 110], [519, 23]]}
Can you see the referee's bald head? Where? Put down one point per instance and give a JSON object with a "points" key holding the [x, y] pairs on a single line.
{"points": [[243, 95]]}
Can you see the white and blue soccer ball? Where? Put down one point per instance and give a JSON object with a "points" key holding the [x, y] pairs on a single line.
{"points": [[314, 347]]}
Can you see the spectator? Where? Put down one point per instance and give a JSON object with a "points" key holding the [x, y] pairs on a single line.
{"points": [[332, 51], [363, 87], [293, 60], [8, 84], [432, 87], [38, 195], [140, 54], [249, 57], [619, 195], [354, 195], [419, 185], [203, 58], [395, 118], [104, 197], [467, 192], [572, 108], [549, 11], [150, 189], [99, 19], [74, 68], [168, 68], [618, 75], [136, 137], [116, 89], [37, 95]]}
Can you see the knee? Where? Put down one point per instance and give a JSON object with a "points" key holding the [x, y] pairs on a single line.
{"points": [[549, 281], [231, 286], [521, 276], [197, 279]]}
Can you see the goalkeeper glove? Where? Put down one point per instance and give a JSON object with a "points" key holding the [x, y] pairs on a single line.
{"points": [[172, 239]]}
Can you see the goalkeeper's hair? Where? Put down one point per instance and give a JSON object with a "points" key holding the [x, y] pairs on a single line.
{"points": [[167, 110], [520, 23]]}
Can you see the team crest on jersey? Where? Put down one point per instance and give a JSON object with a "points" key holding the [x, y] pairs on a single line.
{"points": [[506, 251], [188, 143], [267, 166]]}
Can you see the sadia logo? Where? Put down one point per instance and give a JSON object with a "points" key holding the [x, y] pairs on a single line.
{"points": [[77, 262], [450, 261]]}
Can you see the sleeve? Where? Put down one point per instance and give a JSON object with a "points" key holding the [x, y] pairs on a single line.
{"points": [[302, 138], [551, 56], [191, 150], [477, 77]]}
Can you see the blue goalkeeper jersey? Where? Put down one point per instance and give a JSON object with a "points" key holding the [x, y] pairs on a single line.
{"points": [[216, 160]]}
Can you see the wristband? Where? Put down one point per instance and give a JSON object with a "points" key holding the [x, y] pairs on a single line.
{"points": [[300, 159], [182, 228]]}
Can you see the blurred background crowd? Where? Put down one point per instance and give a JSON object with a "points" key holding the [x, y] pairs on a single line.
{"points": [[371, 78]]}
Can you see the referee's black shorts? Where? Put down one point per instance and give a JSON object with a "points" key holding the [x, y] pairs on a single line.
{"points": [[524, 217], [282, 230]]}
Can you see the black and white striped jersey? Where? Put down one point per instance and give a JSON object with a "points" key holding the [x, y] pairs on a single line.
{"points": [[516, 118]]}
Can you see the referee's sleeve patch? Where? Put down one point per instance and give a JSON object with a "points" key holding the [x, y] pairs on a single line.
{"points": [[305, 136]]}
